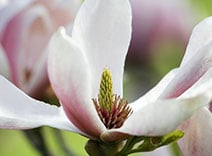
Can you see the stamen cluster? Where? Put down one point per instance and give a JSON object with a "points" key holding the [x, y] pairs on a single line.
{"points": [[117, 115], [112, 109]]}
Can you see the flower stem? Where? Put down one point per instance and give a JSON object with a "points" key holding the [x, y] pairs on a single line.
{"points": [[61, 142], [97, 148], [37, 139]]}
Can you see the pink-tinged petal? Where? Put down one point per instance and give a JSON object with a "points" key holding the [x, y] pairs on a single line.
{"points": [[163, 116], [160, 117], [190, 72], [9, 10], [25, 41], [198, 134], [4, 66], [200, 37], [70, 76], [201, 86], [19, 111], [102, 29], [36, 31], [27, 34], [155, 92], [62, 11]]}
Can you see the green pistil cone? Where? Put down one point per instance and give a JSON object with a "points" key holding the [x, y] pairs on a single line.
{"points": [[106, 91]]}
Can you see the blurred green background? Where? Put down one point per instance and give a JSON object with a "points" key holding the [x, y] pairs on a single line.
{"points": [[14, 143]]}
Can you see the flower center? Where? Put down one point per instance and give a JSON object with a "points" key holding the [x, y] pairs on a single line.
{"points": [[112, 109]]}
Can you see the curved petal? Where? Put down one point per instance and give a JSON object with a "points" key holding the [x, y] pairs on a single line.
{"points": [[198, 137], [63, 11], [190, 72], [25, 41], [19, 111], [160, 117], [202, 85], [9, 10], [155, 92], [36, 31], [163, 116], [200, 36], [169, 113], [4, 66], [70, 76], [102, 29]]}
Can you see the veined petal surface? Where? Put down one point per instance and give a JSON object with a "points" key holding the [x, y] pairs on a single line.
{"points": [[70, 76], [102, 29], [19, 111]]}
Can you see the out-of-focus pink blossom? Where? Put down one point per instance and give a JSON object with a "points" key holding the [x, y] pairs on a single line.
{"points": [[155, 23], [25, 30]]}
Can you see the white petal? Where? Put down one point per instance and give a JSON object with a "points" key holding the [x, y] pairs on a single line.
{"points": [[190, 72], [70, 76], [155, 92], [19, 111], [162, 116], [202, 85], [102, 29], [198, 137], [200, 36], [4, 66]]}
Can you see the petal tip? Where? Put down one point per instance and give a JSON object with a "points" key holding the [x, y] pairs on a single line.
{"points": [[60, 32]]}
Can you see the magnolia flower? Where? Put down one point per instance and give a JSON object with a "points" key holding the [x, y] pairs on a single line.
{"points": [[25, 29], [198, 137], [86, 72]]}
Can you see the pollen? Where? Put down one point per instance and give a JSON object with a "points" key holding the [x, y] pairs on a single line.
{"points": [[112, 109]]}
